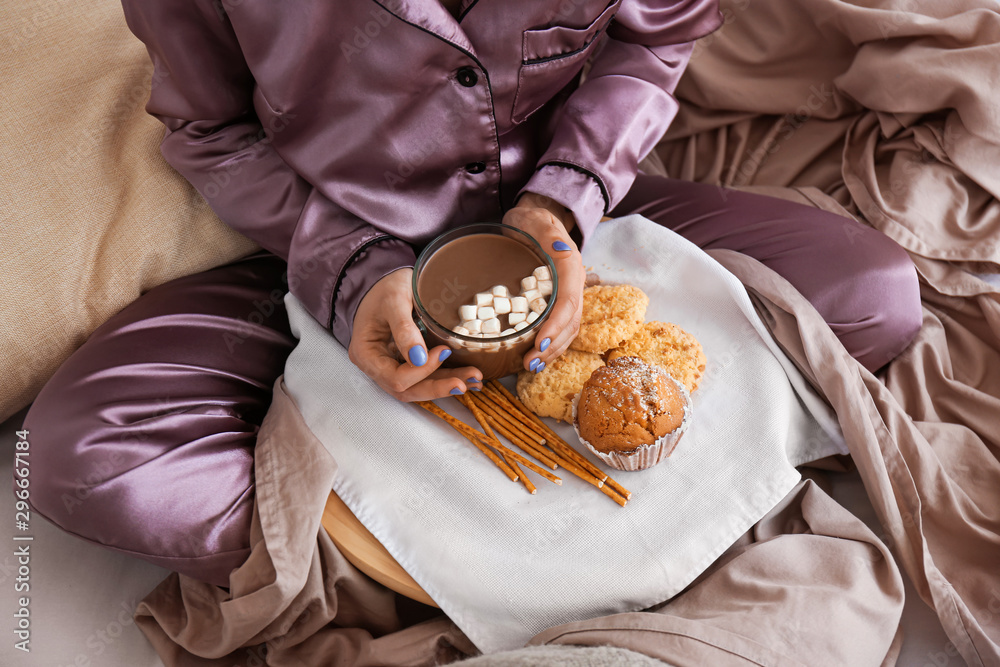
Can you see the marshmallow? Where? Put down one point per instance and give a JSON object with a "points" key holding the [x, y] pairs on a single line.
{"points": [[501, 305], [474, 326], [520, 325], [538, 305], [461, 331], [531, 295], [528, 283], [483, 299], [466, 313], [518, 304], [507, 332], [542, 273], [499, 290], [491, 326], [545, 287], [486, 313], [532, 316], [514, 318]]}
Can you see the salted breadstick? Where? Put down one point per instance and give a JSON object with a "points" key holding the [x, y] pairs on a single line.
{"points": [[552, 439], [498, 411], [506, 453], [558, 444], [500, 400], [471, 434], [520, 473], [528, 463], [526, 446], [610, 493], [480, 417]]}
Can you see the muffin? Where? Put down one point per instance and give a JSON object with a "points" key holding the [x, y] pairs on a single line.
{"points": [[631, 414]]}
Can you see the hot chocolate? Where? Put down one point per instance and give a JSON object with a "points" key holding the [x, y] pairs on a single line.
{"points": [[456, 267]]}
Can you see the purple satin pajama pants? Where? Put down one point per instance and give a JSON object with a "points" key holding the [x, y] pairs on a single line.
{"points": [[143, 439]]}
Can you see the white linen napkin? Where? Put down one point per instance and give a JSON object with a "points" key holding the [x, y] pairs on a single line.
{"points": [[505, 565]]}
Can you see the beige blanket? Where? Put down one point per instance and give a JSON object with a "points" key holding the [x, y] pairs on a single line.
{"points": [[890, 112]]}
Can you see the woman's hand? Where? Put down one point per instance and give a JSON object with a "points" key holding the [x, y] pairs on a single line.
{"points": [[550, 224], [384, 327]]}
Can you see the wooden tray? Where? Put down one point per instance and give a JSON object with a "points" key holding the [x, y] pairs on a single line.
{"points": [[366, 553]]}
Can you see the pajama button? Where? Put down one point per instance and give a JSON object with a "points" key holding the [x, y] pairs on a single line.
{"points": [[467, 77], [475, 167]]}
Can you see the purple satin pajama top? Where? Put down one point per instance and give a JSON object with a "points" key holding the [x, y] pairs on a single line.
{"points": [[342, 136]]}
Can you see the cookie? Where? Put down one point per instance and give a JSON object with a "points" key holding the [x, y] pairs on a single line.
{"points": [[612, 314], [551, 392], [668, 346]]}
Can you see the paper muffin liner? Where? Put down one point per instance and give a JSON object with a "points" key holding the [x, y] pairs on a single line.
{"points": [[643, 456]]}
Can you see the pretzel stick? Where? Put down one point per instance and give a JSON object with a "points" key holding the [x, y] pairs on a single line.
{"points": [[499, 412], [528, 463], [552, 439], [557, 444], [615, 496], [504, 451], [520, 473], [496, 416], [513, 410], [471, 434], [521, 443], [480, 417], [457, 424], [619, 489], [568, 465]]}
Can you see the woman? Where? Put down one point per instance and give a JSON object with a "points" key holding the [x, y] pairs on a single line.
{"points": [[342, 137]]}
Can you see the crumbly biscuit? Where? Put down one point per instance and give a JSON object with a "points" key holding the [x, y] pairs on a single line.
{"points": [[550, 393], [612, 314], [668, 346]]}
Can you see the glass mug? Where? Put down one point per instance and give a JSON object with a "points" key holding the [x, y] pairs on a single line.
{"points": [[457, 265]]}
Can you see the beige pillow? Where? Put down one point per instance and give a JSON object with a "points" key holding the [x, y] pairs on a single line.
{"points": [[92, 215]]}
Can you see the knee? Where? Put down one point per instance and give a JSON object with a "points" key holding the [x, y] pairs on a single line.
{"points": [[884, 297], [175, 490], [51, 492]]}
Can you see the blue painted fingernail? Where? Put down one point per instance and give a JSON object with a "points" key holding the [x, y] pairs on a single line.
{"points": [[544, 345], [470, 380], [418, 355], [445, 353], [540, 368], [476, 388], [560, 246], [534, 363], [456, 391]]}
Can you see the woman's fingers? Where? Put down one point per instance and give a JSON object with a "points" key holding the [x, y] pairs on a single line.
{"points": [[397, 308], [384, 324], [563, 323], [441, 383]]}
